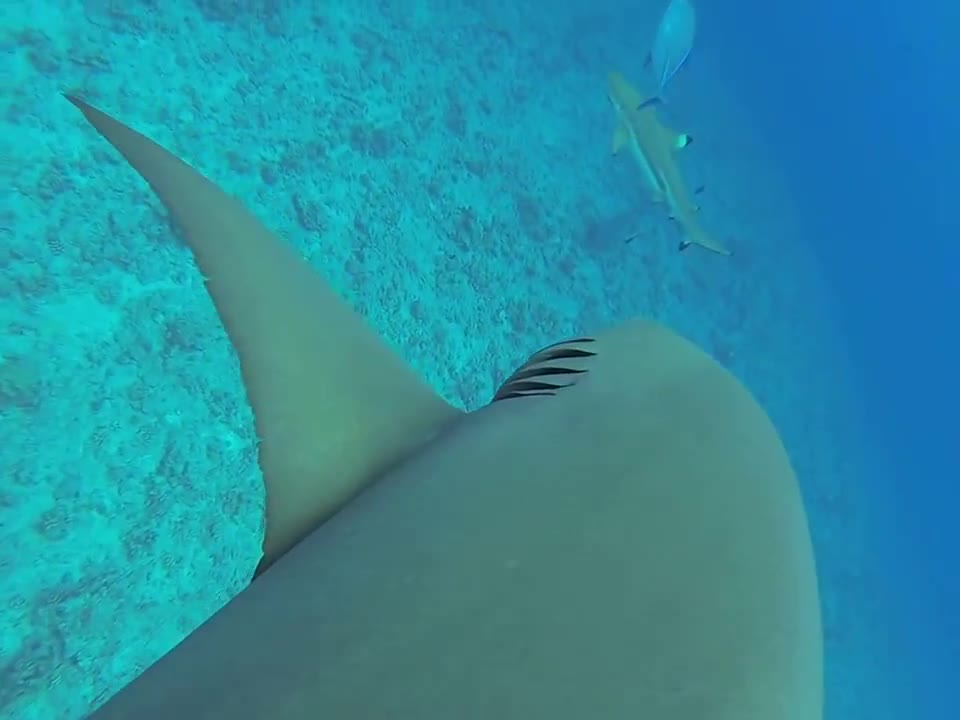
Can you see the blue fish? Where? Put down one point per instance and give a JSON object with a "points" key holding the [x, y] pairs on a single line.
{"points": [[672, 44]]}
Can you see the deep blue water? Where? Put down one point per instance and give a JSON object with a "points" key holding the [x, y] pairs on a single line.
{"points": [[862, 96]]}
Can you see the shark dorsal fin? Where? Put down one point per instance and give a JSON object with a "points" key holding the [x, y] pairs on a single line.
{"points": [[333, 404], [678, 140]]}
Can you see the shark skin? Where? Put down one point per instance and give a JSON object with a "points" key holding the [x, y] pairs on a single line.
{"points": [[618, 534], [320, 443], [652, 146]]}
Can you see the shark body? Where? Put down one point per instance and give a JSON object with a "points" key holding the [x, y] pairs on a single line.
{"points": [[618, 534], [653, 146]]}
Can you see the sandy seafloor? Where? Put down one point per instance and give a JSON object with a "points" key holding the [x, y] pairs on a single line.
{"points": [[448, 168]]}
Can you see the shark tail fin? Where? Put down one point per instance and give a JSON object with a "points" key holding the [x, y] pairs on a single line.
{"points": [[334, 406], [696, 235]]}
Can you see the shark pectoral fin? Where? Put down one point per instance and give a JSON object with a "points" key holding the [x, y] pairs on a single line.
{"points": [[333, 404], [650, 102], [620, 138]]}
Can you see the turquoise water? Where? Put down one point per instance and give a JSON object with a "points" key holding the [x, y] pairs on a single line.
{"points": [[447, 166]]}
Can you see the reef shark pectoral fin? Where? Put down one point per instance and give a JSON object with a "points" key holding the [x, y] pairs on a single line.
{"points": [[333, 404]]}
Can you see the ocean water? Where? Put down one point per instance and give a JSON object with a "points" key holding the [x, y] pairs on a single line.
{"points": [[447, 166]]}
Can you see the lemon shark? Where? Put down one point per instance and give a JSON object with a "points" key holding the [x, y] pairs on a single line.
{"points": [[653, 146], [617, 534]]}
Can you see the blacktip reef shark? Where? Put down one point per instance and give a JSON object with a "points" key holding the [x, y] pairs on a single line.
{"points": [[653, 146], [618, 534]]}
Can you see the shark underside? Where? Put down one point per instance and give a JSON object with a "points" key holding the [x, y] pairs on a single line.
{"points": [[618, 534]]}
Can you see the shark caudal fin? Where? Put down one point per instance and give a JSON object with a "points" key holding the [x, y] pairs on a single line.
{"points": [[696, 235], [333, 404]]}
